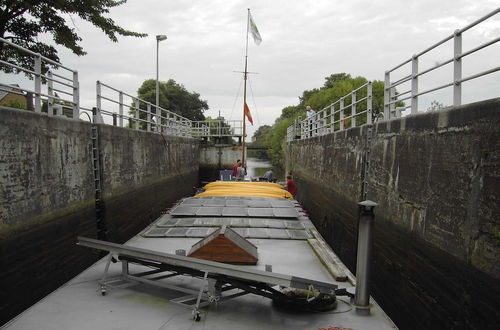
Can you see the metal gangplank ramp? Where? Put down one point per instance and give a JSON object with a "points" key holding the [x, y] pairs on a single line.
{"points": [[217, 278]]}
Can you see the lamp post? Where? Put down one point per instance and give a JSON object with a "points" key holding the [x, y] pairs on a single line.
{"points": [[159, 38]]}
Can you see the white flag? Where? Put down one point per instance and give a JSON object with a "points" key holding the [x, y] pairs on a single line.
{"points": [[255, 32]]}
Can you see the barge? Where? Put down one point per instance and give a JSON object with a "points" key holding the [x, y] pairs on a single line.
{"points": [[240, 255]]}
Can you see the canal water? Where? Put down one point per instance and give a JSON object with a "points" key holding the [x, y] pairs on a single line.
{"points": [[258, 166]]}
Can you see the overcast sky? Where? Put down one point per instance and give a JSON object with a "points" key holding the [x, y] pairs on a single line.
{"points": [[303, 42]]}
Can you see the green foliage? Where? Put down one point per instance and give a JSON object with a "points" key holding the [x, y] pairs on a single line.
{"points": [[15, 104], [261, 134], [22, 21], [335, 87], [261, 138], [334, 78], [277, 137], [435, 105], [173, 97]]}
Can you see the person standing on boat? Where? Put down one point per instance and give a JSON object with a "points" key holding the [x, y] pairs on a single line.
{"points": [[242, 171], [235, 169], [290, 185], [269, 175]]}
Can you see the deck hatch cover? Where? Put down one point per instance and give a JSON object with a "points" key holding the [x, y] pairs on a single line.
{"points": [[185, 222], [167, 222], [239, 222], [184, 210], [236, 202], [192, 201], [281, 203], [261, 212], [257, 203], [277, 233], [258, 223], [285, 212], [178, 231], [257, 233], [156, 232], [209, 211], [252, 232], [235, 212], [215, 202], [206, 222], [200, 231]]}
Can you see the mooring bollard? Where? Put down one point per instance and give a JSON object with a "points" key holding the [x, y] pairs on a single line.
{"points": [[365, 227]]}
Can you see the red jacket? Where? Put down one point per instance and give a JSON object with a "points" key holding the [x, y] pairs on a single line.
{"points": [[235, 170], [290, 186]]}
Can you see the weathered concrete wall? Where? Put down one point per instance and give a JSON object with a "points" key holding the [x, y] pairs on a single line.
{"points": [[47, 196], [436, 179], [44, 165], [215, 158], [143, 173]]}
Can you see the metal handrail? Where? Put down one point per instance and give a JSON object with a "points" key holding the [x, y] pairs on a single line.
{"points": [[325, 120], [52, 84], [158, 119], [46, 59], [390, 99]]}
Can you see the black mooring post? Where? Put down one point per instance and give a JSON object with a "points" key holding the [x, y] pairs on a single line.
{"points": [[365, 237]]}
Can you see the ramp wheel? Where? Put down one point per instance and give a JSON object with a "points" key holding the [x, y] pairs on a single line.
{"points": [[103, 291]]}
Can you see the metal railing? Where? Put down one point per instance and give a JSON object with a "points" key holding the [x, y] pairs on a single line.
{"points": [[351, 110], [62, 91], [390, 96], [217, 128], [329, 120], [140, 114], [62, 97]]}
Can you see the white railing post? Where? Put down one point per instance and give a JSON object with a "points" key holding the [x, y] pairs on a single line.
{"points": [[369, 101], [97, 113], [457, 68], [353, 109], [332, 118], [148, 118], [392, 96], [50, 92], [76, 96], [158, 119], [387, 95], [136, 114], [38, 83], [414, 84], [341, 114], [120, 109]]}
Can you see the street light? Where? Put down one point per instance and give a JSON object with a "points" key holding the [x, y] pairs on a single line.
{"points": [[159, 38]]}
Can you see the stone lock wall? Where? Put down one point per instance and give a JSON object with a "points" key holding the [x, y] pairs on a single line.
{"points": [[436, 178], [47, 195]]}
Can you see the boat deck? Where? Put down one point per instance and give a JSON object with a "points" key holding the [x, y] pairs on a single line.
{"points": [[279, 228]]}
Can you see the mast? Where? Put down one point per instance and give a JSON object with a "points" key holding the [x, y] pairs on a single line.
{"points": [[245, 89]]}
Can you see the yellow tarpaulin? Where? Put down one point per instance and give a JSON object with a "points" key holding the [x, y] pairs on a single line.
{"points": [[244, 189]]}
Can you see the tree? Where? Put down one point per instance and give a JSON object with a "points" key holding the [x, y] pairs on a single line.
{"points": [[435, 105], [334, 78], [21, 21], [336, 86], [261, 133], [173, 97]]}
